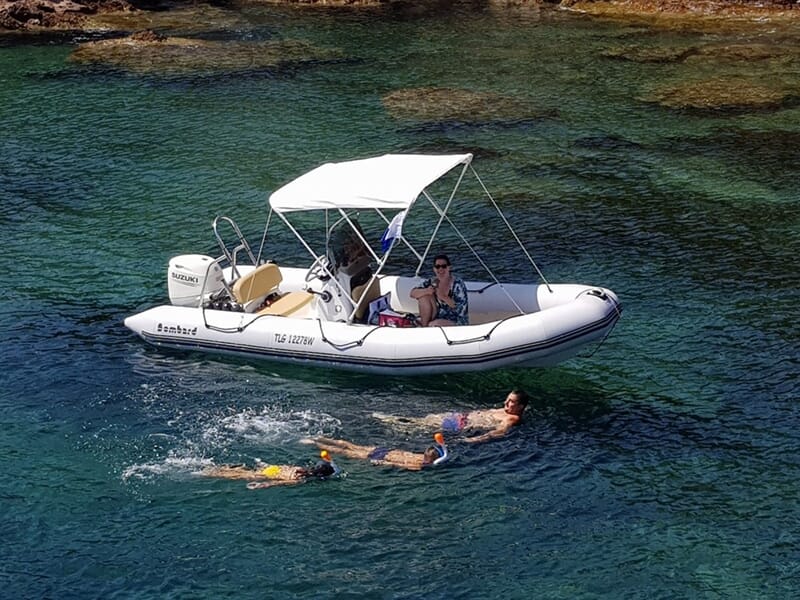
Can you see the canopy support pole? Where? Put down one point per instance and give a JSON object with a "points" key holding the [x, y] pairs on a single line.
{"points": [[511, 229]]}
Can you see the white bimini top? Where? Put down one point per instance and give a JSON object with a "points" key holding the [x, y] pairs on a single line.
{"points": [[391, 181]]}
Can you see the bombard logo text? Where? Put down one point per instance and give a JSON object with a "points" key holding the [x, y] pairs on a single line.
{"points": [[176, 329]]}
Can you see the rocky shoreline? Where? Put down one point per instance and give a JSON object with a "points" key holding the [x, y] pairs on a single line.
{"points": [[34, 16]]}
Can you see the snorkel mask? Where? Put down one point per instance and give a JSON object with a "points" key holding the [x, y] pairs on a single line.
{"points": [[441, 448]]}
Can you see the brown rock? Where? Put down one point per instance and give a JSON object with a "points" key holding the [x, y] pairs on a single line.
{"points": [[428, 104], [642, 54], [722, 93], [179, 21], [691, 15], [56, 14], [148, 52], [148, 35]]}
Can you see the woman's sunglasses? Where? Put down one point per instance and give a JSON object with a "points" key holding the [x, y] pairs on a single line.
{"points": [[441, 266]]}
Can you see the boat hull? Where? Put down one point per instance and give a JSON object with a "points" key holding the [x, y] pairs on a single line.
{"points": [[539, 339]]}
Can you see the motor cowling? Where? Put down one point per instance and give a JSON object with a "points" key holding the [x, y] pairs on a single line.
{"points": [[193, 278]]}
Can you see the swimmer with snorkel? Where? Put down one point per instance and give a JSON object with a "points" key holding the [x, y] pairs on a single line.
{"points": [[274, 475], [379, 455]]}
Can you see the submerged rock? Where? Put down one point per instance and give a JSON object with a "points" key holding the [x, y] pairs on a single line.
{"points": [[649, 54], [787, 50], [691, 15], [429, 104], [148, 52], [686, 8], [179, 20], [721, 93]]}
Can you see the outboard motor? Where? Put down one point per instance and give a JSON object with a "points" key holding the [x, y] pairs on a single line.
{"points": [[193, 278]]}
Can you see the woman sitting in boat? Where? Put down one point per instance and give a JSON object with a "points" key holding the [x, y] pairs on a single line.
{"points": [[442, 299]]}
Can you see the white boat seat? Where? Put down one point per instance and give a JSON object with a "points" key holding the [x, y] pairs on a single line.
{"points": [[287, 304], [372, 293], [257, 284]]}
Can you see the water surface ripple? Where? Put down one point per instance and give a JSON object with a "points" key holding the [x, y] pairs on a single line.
{"points": [[663, 466]]}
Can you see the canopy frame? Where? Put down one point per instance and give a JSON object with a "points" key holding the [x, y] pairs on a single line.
{"points": [[377, 194]]}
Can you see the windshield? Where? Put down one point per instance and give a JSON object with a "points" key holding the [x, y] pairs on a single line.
{"points": [[344, 247]]}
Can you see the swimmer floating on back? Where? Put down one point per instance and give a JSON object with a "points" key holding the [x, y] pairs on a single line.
{"points": [[379, 455], [498, 421], [272, 475]]}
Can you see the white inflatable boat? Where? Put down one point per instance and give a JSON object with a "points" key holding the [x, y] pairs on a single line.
{"points": [[345, 311]]}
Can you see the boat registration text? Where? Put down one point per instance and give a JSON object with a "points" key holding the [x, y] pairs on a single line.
{"points": [[301, 340]]}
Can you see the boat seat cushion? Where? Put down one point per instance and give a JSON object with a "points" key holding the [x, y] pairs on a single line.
{"points": [[287, 304], [257, 284], [371, 293]]}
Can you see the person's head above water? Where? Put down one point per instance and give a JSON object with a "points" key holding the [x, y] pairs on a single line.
{"points": [[435, 455], [516, 402], [430, 455], [321, 469]]}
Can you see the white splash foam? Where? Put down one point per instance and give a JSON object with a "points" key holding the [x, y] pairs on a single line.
{"points": [[269, 425], [172, 465]]}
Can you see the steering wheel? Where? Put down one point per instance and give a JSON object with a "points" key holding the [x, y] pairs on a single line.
{"points": [[318, 269]]}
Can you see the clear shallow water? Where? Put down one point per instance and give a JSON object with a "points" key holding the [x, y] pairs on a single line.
{"points": [[663, 466]]}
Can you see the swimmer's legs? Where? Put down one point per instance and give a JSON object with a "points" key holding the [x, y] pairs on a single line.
{"points": [[433, 421], [343, 447], [230, 472], [396, 419]]}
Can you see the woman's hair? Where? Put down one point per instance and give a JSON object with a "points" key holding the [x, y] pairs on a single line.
{"points": [[443, 257], [431, 454], [322, 469]]}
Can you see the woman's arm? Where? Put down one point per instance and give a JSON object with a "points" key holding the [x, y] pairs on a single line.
{"points": [[424, 289]]}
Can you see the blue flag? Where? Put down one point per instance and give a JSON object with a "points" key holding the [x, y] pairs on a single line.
{"points": [[394, 230]]}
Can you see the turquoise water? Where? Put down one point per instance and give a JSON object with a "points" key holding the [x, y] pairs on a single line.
{"points": [[663, 466]]}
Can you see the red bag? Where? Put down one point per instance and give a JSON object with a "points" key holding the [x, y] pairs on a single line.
{"points": [[389, 318]]}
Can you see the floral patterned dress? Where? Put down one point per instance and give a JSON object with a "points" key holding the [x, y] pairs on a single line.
{"points": [[458, 292]]}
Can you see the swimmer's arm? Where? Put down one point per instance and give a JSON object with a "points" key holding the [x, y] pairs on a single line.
{"points": [[489, 435], [401, 464], [411, 466], [259, 485], [499, 432]]}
